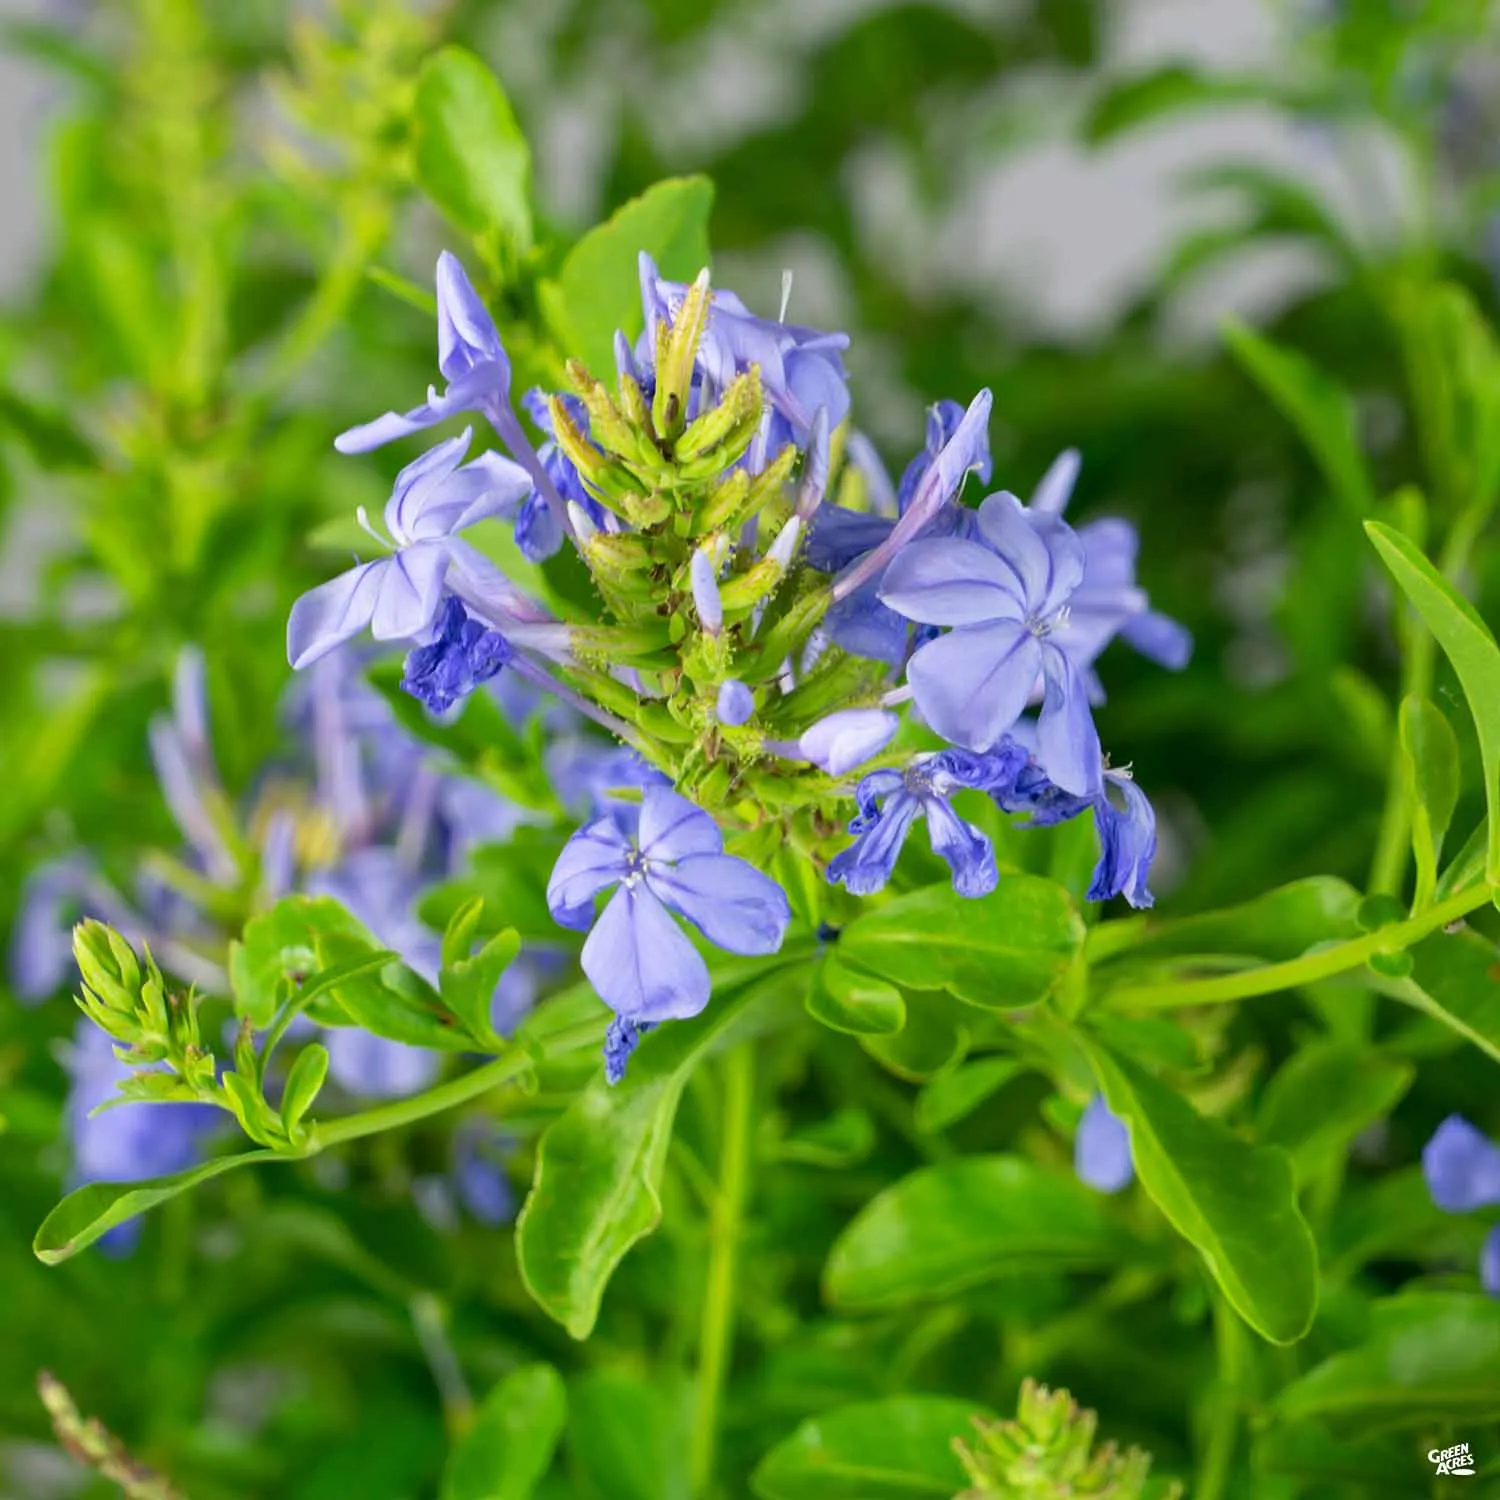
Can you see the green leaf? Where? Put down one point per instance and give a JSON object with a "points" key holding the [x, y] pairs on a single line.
{"points": [[1455, 978], [1321, 411], [1429, 752], [52, 440], [1468, 645], [467, 984], [876, 1450], [598, 288], [936, 1037], [1323, 1097], [1008, 951], [597, 1188], [469, 154], [395, 1004], [1467, 866], [91, 1211], [1235, 1203], [1376, 1463], [953, 1096], [845, 1000], [630, 1434], [304, 1081], [841, 1140], [278, 951], [1149, 97], [952, 1226], [1429, 1356], [515, 1433]]}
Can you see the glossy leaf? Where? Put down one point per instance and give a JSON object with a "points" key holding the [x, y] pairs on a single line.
{"points": [[1455, 977], [1004, 953], [1470, 647], [954, 1225], [896, 1449], [953, 1096], [515, 1432], [1429, 751], [845, 1000], [278, 951], [598, 286], [304, 1082], [1236, 1203], [468, 152], [935, 1037]]}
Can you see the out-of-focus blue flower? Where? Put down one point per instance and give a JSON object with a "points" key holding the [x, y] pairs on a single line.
{"points": [[129, 1141], [588, 774], [464, 653], [891, 801], [53, 896], [620, 1042], [1101, 1149], [375, 1067], [1462, 1168], [1489, 1262], [736, 703], [1107, 602], [1003, 594], [667, 856], [398, 597], [479, 1175]]}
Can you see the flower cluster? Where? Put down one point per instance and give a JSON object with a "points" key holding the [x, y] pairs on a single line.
{"points": [[767, 600]]}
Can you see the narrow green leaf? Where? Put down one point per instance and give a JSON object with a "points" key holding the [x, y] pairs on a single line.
{"points": [[1169, 90], [1468, 645], [952, 1226], [1003, 953], [1321, 411], [468, 984], [896, 1449], [951, 1097], [304, 1082], [854, 1003], [468, 152], [1429, 752], [1236, 1203], [598, 287], [403, 290], [504, 1455], [842, 1140], [91, 1211]]}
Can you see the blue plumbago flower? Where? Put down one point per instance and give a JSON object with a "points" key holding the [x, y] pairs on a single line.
{"points": [[1107, 601], [480, 1150], [736, 703], [672, 859], [801, 369], [1462, 1168], [463, 653], [398, 597], [1101, 1149], [843, 740], [589, 775], [128, 1141], [891, 801], [863, 543], [1003, 594], [620, 1041]]}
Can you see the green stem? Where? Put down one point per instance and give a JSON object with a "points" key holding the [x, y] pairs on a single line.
{"points": [[1223, 1434], [1298, 971], [716, 1328]]}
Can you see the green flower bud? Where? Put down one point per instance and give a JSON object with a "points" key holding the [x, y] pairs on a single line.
{"points": [[108, 966], [678, 352]]}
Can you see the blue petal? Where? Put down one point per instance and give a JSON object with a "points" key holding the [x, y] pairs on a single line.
{"points": [[332, 613], [1462, 1167], [971, 685], [1067, 742], [1055, 488], [466, 333], [391, 426], [489, 486], [967, 851], [595, 858], [539, 533], [706, 592], [640, 962], [866, 865], [673, 828], [420, 478], [1101, 1149], [1160, 639], [968, 448], [1127, 844], [838, 536], [729, 901], [410, 592], [848, 738], [41, 947], [948, 581], [620, 1041], [863, 626], [187, 785], [1489, 1262], [1043, 552]]}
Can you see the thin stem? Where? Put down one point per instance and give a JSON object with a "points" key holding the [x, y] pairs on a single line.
{"points": [[1298, 971], [1223, 1433], [429, 1319], [716, 1328]]}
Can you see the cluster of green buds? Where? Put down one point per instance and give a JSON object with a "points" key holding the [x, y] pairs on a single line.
{"points": [[1047, 1453], [700, 567]]}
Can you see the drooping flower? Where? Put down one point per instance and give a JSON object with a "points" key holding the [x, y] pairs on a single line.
{"points": [[399, 597], [891, 801], [1003, 594], [1101, 1149], [463, 653], [666, 856], [1462, 1168]]}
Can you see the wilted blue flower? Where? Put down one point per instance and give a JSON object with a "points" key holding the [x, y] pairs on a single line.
{"points": [[735, 703], [665, 856], [1101, 1149], [1462, 1168], [891, 801], [620, 1041], [398, 597], [1004, 594], [464, 653]]}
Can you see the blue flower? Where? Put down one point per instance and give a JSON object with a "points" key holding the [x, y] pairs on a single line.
{"points": [[1003, 594], [463, 654], [668, 857], [891, 801], [398, 597], [1107, 601], [848, 738], [479, 1175], [588, 775], [620, 1041], [1101, 1149], [736, 703], [1462, 1168]]}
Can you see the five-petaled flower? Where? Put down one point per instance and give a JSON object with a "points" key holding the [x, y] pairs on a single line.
{"points": [[666, 856]]}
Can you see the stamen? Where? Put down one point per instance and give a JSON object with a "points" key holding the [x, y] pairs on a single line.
{"points": [[786, 295], [363, 517]]}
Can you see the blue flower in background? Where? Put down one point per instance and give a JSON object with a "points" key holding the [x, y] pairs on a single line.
{"points": [[480, 1150], [1003, 595], [1462, 1168], [666, 856], [399, 597], [891, 801], [1101, 1149]]}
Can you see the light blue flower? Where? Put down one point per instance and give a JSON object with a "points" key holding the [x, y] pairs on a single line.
{"points": [[1462, 1168], [735, 703], [1101, 1149]]}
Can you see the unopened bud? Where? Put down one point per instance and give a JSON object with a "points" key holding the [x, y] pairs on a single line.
{"points": [[706, 593], [736, 703]]}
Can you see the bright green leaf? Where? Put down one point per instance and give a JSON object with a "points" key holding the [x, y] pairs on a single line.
{"points": [[1429, 751], [953, 1096], [1236, 1203], [845, 1000], [843, 1139], [935, 1037], [1455, 978], [630, 1434], [304, 1081], [504, 1454]]}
